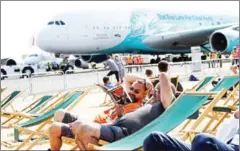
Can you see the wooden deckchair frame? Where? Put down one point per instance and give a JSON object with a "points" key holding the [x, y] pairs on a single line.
{"points": [[200, 82], [23, 113], [209, 112], [107, 92], [203, 107], [43, 124], [11, 101]]}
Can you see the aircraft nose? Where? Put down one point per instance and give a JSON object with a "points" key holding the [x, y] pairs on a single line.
{"points": [[45, 39]]}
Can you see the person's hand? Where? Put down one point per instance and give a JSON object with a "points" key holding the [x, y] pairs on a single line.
{"points": [[119, 110], [75, 125], [236, 114]]}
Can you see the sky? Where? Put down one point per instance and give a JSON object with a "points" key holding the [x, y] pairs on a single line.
{"points": [[21, 20]]}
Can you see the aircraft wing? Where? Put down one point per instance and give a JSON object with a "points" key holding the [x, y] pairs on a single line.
{"points": [[183, 39]]}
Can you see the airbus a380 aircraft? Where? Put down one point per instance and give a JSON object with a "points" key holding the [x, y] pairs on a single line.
{"points": [[93, 35]]}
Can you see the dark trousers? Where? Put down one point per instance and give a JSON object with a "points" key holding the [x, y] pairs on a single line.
{"points": [[158, 141], [235, 61], [116, 74], [130, 68]]}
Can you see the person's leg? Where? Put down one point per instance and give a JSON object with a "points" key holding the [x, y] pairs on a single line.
{"points": [[158, 141], [110, 73], [208, 142], [166, 90], [56, 131], [86, 132], [64, 116], [117, 75], [89, 132]]}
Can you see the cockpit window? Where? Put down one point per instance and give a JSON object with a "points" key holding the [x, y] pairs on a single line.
{"points": [[61, 22], [57, 23], [51, 23]]}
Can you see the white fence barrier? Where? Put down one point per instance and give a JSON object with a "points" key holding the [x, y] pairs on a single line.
{"points": [[58, 81]]}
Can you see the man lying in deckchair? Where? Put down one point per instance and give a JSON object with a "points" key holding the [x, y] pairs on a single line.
{"points": [[88, 132], [202, 142], [138, 88]]}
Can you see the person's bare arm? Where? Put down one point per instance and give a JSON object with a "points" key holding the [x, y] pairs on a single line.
{"points": [[130, 78], [166, 90]]}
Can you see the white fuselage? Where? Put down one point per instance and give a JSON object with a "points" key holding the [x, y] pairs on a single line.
{"points": [[120, 32]]}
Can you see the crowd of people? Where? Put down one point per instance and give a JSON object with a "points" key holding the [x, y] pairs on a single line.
{"points": [[121, 121], [214, 59]]}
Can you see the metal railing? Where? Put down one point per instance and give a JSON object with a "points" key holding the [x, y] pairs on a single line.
{"points": [[46, 82]]}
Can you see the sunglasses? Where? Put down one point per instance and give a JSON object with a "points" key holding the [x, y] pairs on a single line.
{"points": [[136, 91]]}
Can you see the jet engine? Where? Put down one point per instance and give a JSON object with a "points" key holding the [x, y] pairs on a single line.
{"points": [[224, 40], [93, 58]]}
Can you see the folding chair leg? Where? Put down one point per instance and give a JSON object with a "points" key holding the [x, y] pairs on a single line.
{"points": [[34, 143], [74, 148], [30, 137]]}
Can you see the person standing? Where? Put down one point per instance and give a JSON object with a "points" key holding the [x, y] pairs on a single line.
{"points": [[135, 62], [112, 66], [234, 56], [220, 59], [121, 68], [213, 57], [130, 62], [208, 60]]}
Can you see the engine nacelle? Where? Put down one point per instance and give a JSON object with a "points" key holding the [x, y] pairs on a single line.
{"points": [[81, 64], [93, 58], [224, 40]]}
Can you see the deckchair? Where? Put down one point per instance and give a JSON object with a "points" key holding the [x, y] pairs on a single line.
{"points": [[174, 81], [203, 83], [37, 111], [107, 92], [227, 82], [214, 113], [9, 99], [46, 118], [31, 108], [163, 123]]}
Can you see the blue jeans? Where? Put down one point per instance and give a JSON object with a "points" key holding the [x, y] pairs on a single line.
{"points": [[158, 141]]}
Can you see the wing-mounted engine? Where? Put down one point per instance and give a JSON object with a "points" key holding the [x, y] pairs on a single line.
{"points": [[93, 58], [225, 39]]}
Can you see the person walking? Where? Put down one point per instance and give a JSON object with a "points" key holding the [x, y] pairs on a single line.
{"points": [[112, 66], [121, 68]]}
